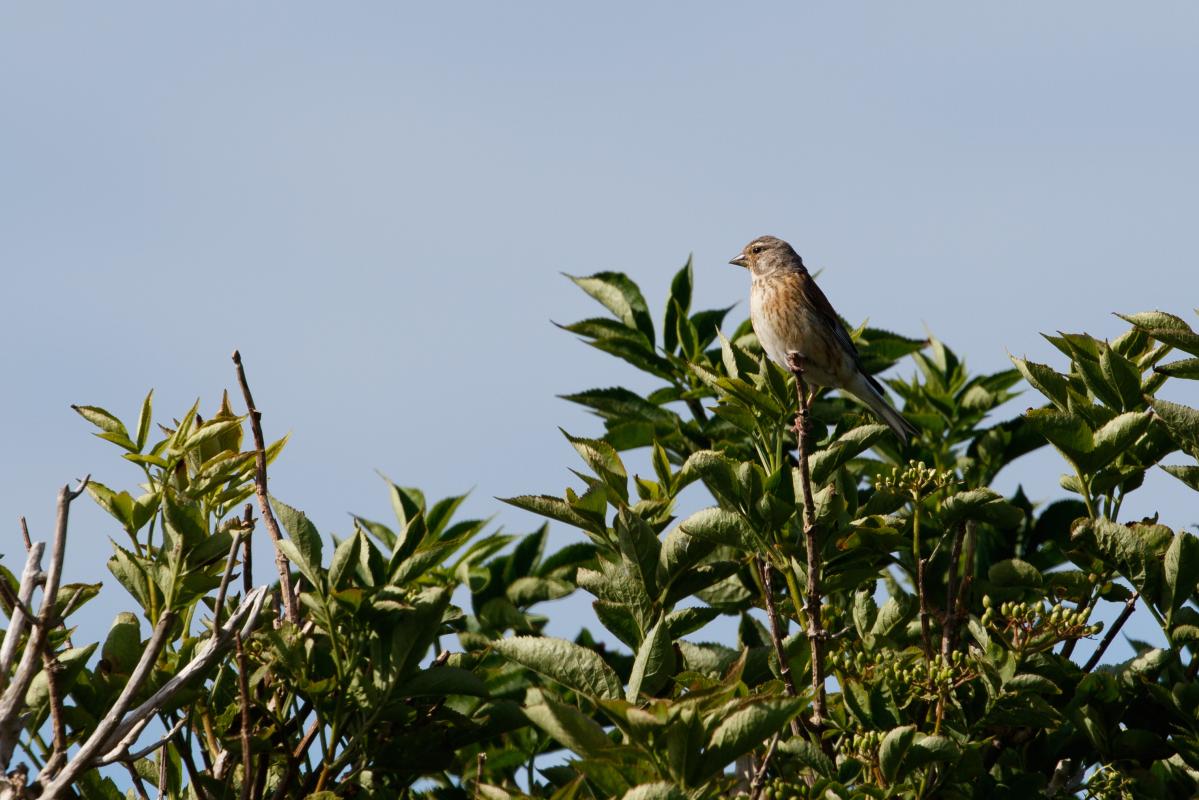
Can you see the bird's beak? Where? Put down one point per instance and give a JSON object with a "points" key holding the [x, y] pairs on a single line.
{"points": [[740, 261]]}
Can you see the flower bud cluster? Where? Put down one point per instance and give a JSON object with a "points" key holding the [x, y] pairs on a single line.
{"points": [[917, 479], [1036, 625], [782, 789]]}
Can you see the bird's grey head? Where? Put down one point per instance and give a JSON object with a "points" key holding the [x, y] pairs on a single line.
{"points": [[768, 254]]}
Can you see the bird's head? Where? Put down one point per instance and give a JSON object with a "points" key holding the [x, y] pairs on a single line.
{"points": [[767, 254]]}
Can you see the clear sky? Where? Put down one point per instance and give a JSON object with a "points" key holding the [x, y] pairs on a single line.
{"points": [[373, 201]]}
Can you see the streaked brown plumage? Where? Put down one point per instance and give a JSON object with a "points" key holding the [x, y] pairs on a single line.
{"points": [[791, 314]]}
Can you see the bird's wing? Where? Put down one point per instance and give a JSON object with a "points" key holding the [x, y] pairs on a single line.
{"points": [[833, 322]]}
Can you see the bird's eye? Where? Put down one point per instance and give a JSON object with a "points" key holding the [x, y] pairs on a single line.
{"points": [[757, 248]]}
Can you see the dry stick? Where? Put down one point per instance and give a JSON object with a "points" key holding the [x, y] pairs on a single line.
{"points": [[812, 601], [20, 616], [268, 516], [1129, 606], [25, 534], [108, 725], [218, 609], [292, 762], [759, 780], [243, 691], [137, 782], [58, 756], [949, 629], [13, 699], [766, 571], [122, 752]]}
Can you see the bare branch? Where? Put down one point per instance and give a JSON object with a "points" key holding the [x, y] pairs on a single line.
{"points": [[96, 742], [264, 505], [1129, 606], [242, 620], [13, 699], [243, 691], [812, 602], [765, 571], [219, 607], [20, 617], [121, 752], [51, 666], [25, 533]]}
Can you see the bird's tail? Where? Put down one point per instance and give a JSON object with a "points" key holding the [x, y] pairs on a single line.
{"points": [[870, 392]]}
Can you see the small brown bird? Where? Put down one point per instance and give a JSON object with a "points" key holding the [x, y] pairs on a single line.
{"points": [[791, 314]]}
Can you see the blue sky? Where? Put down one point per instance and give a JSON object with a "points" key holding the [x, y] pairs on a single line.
{"points": [[374, 202]]}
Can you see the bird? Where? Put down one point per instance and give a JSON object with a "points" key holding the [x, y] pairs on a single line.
{"points": [[790, 315]]}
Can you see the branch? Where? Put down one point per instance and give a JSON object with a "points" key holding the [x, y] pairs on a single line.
{"points": [[759, 779], [13, 699], [121, 753], [1129, 606], [61, 784], [219, 607], [243, 620], [51, 666], [264, 505], [765, 570], [813, 601], [20, 619], [243, 691], [949, 629]]}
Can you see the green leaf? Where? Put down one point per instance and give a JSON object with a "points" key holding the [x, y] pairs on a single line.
{"points": [[654, 663], [302, 532], [1166, 328], [1181, 571], [441, 681], [620, 295], [744, 729], [102, 419], [809, 755], [849, 445], [1115, 437], [1049, 383], [639, 549], [1120, 547], [719, 526], [654, 791], [1184, 368], [143, 420], [677, 306], [604, 462], [293, 554], [1014, 572], [345, 558], [931, 749], [981, 505], [617, 403], [1121, 374], [716, 470], [1183, 422], [571, 665], [894, 748], [1188, 475], [567, 725]]}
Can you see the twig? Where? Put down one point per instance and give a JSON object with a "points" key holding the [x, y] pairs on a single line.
{"points": [[247, 564], [949, 629], [1129, 606], [162, 774], [124, 754], [264, 505], [243, 620], [51, 666], [294, 759], [759, 781], [243, 691], [25, 534], [20, 616], [108, 725], [219, 608], [13, 699], [138, 786], [766, 571], [812, 602]]}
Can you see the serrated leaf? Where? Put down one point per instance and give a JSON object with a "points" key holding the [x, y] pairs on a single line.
{"points": [[653, 664], [571, 665], [1014, 572], [302, 532], [1045, 380], [620, 295], [744, 729], [102, 419], [719, 526], [981, 505], [567, 725], [848, 446], [1180, 571]]}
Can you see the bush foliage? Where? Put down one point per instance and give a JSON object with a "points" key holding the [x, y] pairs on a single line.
{"points": [[925, 649]]}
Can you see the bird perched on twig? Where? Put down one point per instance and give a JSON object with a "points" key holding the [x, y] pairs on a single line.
{"points": [[791, 315]]}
